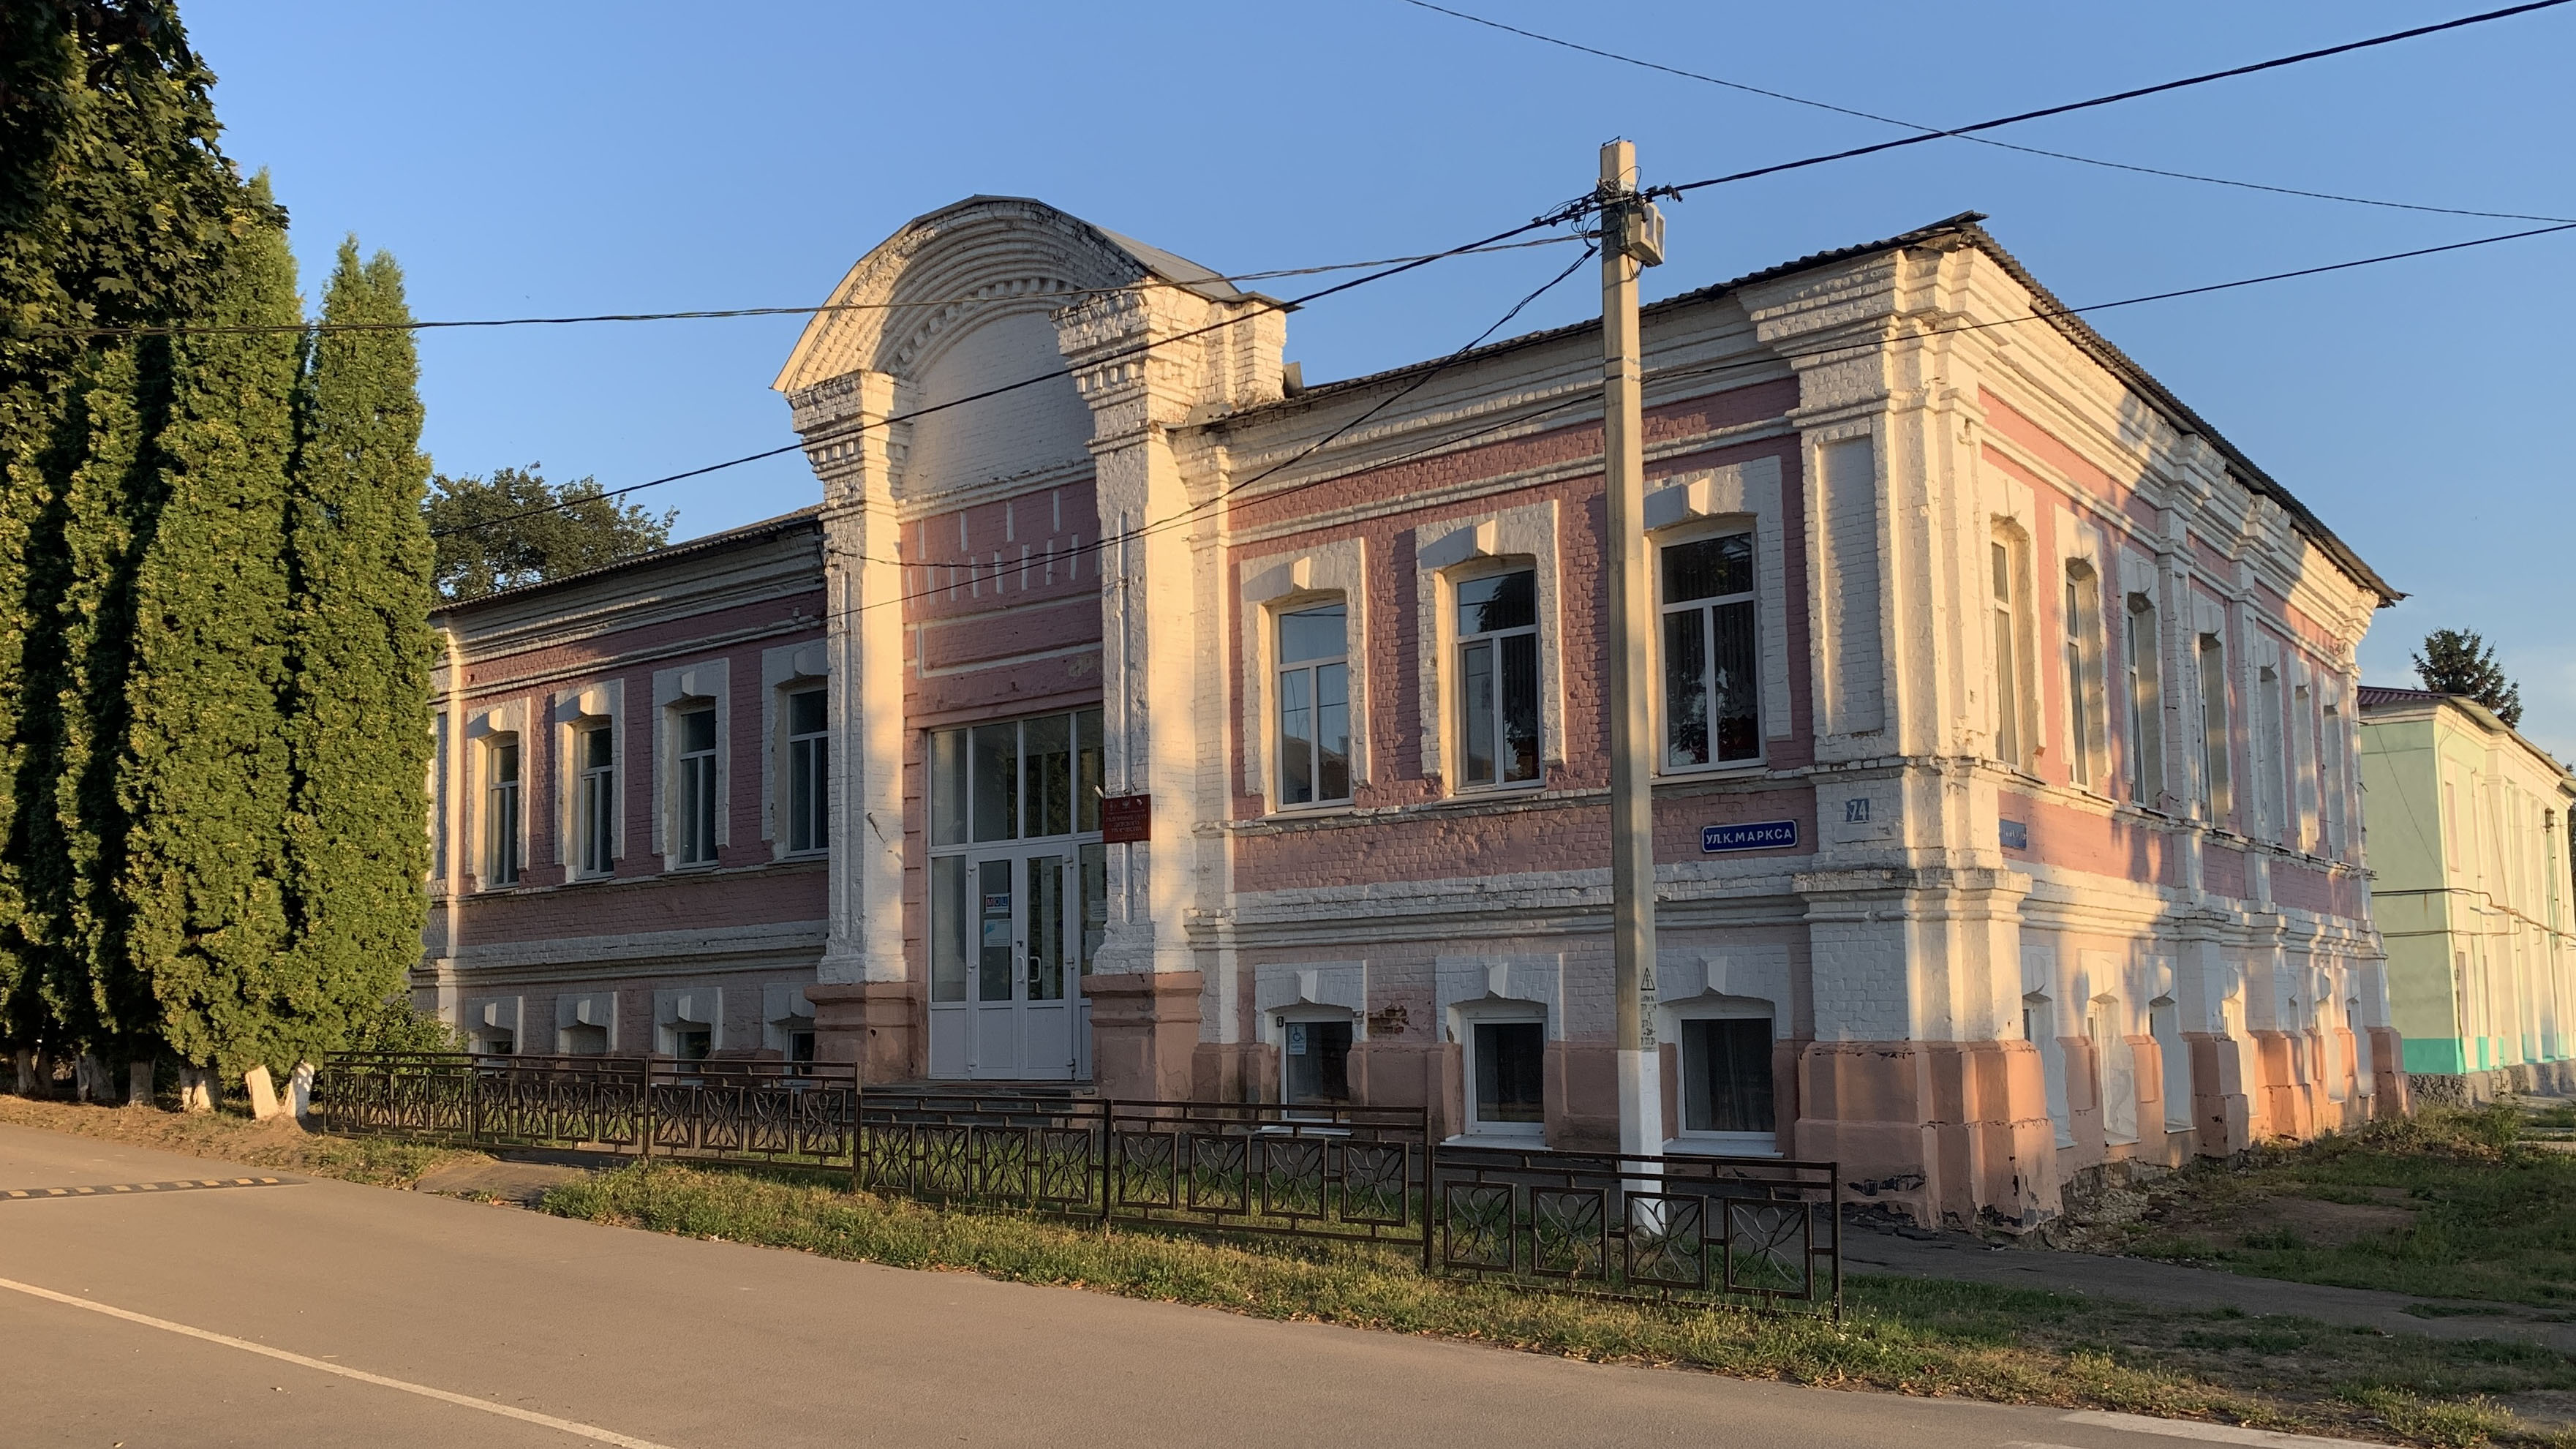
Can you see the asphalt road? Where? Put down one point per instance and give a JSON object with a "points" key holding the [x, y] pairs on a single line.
{"points": [[322, 1313]]}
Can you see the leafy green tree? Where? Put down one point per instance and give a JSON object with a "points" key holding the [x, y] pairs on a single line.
{"points": [[359, 554], [2457, 661], [114, 204], [515, 528], [208, 777]]}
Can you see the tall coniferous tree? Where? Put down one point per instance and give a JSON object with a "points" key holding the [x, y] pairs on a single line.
{"points": [[207, 781], [106, 512], [114, 202], [360, 555]]}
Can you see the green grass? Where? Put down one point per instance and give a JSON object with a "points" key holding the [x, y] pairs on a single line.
{"points": [[1915, 1336], [2494, 1214], [230, 1134]]}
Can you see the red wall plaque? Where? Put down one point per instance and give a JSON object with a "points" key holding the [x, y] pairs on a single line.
{"points": [[1125, 819]]}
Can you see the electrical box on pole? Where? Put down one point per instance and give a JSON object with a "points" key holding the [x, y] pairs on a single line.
{"points": [[1632, 238]]}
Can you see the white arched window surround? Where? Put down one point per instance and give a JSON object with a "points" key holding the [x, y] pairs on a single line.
{"points": [[675, 692], [1465, 548], [2083, 659], [1737, 498], [577, 713], [786, 670], [487, 732], [1676, 1018], [2012, 641], [1283, 583]]}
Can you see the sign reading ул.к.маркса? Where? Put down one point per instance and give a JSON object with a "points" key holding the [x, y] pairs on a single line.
{"points": [[1754, 835]]}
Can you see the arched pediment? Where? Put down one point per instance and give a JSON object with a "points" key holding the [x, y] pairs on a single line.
{"points": [[945, 275]]}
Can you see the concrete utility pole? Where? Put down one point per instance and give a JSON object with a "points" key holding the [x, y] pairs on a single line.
{"points": [[1632, 238]]}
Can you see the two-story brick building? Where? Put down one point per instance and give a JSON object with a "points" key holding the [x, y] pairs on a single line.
{"points": [[2006, 813]]}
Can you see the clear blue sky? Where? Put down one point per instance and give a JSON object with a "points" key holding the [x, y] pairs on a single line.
{"points": [[564, 158]]}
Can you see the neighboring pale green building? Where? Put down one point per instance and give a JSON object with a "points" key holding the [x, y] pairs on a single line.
{"points": [[2467, 840]]}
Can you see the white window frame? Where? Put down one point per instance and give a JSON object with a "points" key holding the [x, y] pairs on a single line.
{"points": [[2271, 762], [1499, 1013], [1284, 583], [1308, 1013], [2217, 729], [1460, 642], [808, 755], [1279, 613], [674, 692], [2009, 634], [693, 784], [1456, 548], [2142, 679], [2086, 769], [594, 803], [1732, 1144], [504, 861], [1741, 526], [784, 670]]}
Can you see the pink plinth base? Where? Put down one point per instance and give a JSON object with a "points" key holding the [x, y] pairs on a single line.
{"points": [[872, 1023], [1145, 1033], [1942, 1132]]}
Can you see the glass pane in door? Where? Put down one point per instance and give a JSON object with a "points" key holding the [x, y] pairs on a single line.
{"points": [[1046, 928], [950, 915], [993, 954]]}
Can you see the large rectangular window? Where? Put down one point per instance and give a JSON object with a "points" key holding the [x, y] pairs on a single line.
{"points": [[2272, 779], [2217, 790], [595, 799], [1498, 679], [809, 771], [1507, 1063], [1315, 1062], [1030, 779], [2083, 649], [1712, 655], [501, 813], [1314, 705], [695, 819], [2144, 677], [1726, 1075], [2010, 691]]}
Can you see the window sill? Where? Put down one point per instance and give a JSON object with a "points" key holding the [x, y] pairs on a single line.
{"points": [[1724, 1144], [1319, 810], [1684, 773], [1535, 1137]]}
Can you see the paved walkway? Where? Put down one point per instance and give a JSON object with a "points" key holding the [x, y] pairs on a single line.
{"points": [[323, 1313], [2173, 1285]]}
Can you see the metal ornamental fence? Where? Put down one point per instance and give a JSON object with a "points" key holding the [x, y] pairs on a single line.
{"points": [[760, 1114], [1764, 1232]]}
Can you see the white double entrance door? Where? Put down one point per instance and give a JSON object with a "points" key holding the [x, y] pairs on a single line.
{"points": [[1006, 965]]}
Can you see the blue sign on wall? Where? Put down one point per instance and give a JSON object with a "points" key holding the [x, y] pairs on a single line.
{"points": [[2015, 834], [1758, 835]]}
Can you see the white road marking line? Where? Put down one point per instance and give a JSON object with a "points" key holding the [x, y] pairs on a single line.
{"points": [[586, 1431], [2212, 1433]]}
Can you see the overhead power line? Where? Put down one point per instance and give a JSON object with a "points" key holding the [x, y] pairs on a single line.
{"points": [[1589, 397], [1555, 217], [1935, 132], [819, 309], [2128, 95], [1748, 364]]}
